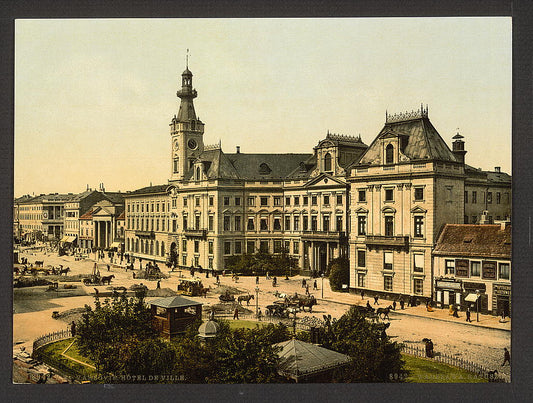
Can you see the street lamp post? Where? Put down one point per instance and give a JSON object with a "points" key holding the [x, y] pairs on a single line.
{"points": [[477, 306], [322, 285], [256, 300]]}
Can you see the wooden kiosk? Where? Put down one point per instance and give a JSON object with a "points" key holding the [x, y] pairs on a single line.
{"points": [[172, 315]]}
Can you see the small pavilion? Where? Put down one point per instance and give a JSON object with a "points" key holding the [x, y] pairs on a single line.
{"points": [[306, 362], [172, 315]]}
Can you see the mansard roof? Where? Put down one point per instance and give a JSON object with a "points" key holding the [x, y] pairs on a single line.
{"points": [[266, 166], [480, 240], [419, 140], [147, 190]]}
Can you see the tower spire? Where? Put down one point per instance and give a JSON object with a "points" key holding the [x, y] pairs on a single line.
{"points": [[187, 59]]}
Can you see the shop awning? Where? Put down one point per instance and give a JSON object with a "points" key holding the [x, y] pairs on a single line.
{"points": [[115, 245], [471, 298], [64, 239]]}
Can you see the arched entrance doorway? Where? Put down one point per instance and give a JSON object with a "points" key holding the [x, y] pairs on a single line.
{"points": [[173, 257]]}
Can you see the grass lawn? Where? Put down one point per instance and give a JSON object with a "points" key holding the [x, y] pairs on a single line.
{"points": [[51, 354], [73, 352], [423, 370], [247, 324]]}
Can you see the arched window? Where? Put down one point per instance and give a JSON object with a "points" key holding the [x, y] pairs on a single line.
{"points": [[137, 245], [389, 154], [197, 173], [128, 244], [151, 247], [327, 162], [162, 248]]}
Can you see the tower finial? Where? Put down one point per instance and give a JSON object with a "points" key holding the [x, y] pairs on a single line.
{"points": [[187, 59]]}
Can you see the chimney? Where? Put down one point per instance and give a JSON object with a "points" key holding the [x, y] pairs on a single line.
{"points": [[497, 169], [238, 149]]}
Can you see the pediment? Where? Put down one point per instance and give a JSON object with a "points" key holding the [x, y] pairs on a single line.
{"points": [[388, 209], [361, 210], [324, 180], [418, 209]]}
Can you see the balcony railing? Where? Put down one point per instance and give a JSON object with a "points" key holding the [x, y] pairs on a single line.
{"points": [[197, 233], [145, 234], [324, 234], [402, 241]]}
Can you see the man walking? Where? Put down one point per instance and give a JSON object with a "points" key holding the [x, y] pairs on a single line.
{"points": [[256, 279], [506, 357], [315, 286], [468, 314], [236, 314], [376, 298]]}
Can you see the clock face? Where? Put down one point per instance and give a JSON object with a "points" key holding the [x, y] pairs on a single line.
{"points": [[192, 144]]}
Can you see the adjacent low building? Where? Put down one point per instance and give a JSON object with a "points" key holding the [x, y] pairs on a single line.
{"points": [[474, 261]]}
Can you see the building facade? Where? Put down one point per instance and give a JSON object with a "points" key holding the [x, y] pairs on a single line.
{"points": [[471, 262], [217, 204]]}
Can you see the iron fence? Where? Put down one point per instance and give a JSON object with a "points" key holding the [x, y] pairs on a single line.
{"points": [[455, 361], [51, 337]]}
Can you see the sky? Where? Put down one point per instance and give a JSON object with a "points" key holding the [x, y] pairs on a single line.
{"points": [[94, 97]]}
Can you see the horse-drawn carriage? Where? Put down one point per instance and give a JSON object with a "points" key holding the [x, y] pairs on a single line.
{"points": [[226, 297], [93, 279], [192, 287]]}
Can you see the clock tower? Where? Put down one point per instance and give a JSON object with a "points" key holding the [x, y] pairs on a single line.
{"points": [[186, 130]]}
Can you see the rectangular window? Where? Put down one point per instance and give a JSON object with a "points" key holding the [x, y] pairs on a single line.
{"points": [[418, 286], [361, 258], [325, 223], [466, 196], [339, 223], [449, 267], [387, 283], [197, 201], [251, 226], [163, 224], [306, 222], [196, 246], [210, 247], [251, 201], [211, 222], [489, 197], [296, 247], [419, 193], [287, 223], [263, 246], [184, 246], [326, 200], [488, 270], [461, 267], [227, 223], [339, 200], [475, 269], [296, 200], [306, 200], [362, 196], [197, 222], [237, 223], [287, 201], [277, 201], [418, 263], [238, 247], [277, 224], [185, 226], [361, 279], [211, 200], [389, 225], [314, 225], [174, 226], [157, 207], [503, 271], [277, 246], [226, 200], [174, 202], [314, 200], [474, 197], [264, 201], [210, 262], [361, 225], [287, 247], [387, 261], [263, 224], [498, 197], [296, 223], [227, 248], [184, 202], [389, 194], [250, 247], [237, 201], [184, 260], [419, 226]]}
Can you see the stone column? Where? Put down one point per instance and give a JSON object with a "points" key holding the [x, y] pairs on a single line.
{"points": [[312, 255]]}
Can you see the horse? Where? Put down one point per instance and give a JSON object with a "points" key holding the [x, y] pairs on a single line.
{"points": [[308, 302], [64, 271], [246, 298], [277, 294], [107, 279], [204, 291], [39, 263], [384, 312], [227, 297]]}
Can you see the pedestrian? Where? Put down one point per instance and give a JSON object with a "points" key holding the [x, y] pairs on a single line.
{"points": [[158, 284], [455, 312], [376, 298], [236, 314], [134, 275], [315, 286], [362, 294], [506, 356], [394, 305], [73, 329], [267, 276], [256, 279], [307, 289], [368, 306], [259, 314], [218, 279], [468, 314], [108, 267], [303, 283]]}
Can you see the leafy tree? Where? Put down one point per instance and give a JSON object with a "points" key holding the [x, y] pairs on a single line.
{"points": [[339, 273], [374, 356], [261, 263]]}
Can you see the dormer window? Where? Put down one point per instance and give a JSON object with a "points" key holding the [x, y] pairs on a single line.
{"points": [[264, 169], [327, 162], [389, 154], [197, 173]]}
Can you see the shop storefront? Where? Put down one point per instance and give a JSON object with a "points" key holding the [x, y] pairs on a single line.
{"points": [[472, 288], [448, 292], [501, 299]]}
